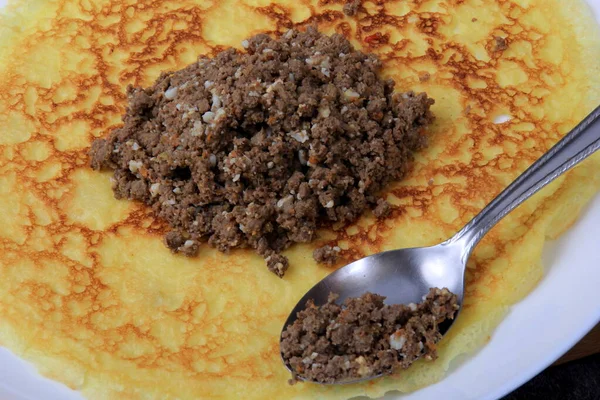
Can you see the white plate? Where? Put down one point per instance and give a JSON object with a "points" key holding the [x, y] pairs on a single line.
{"points": [[538, 330]]}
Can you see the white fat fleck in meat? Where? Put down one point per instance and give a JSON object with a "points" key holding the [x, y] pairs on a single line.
{"points": [[238, 73], [245, 44], [154, 189], [318, 60], [135, 146], [196, 129], [236, 177], [363, 369], [177, 190], [216, 100], [412, 306], [361, 189], [289, 34], [284, 201], [421, 347], [267, 50], [325, 72], [344, 109], [208, 117], [134, 166], [324, 111], [219, 114], [279, 267], [350, 94], [270, 164], [171, 202], [337, 249], [301, 136], [208, 84], [329, 204], [188, 243], [178, 107], [397, 340], [302, 157], [171, 93], [253, 93], [212, 159], [271, 87]]}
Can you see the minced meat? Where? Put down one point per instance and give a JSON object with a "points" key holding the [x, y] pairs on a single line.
{"points": [[364, 337], [259, 148], [382, 209], [500, 43], [327, 254], [351, 7]]}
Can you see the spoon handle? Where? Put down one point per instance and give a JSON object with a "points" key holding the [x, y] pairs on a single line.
{"points": [[576, 146]]}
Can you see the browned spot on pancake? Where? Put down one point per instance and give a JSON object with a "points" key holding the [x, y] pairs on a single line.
{"points": [[279, 15], [377, 39]]}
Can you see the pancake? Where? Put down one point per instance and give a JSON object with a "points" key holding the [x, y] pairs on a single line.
{"points": [[93, 298]]}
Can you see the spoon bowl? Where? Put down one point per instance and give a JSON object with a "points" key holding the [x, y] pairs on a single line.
{"points": [[406, 276], [402, 276]]}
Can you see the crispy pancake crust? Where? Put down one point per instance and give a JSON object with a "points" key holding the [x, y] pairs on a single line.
{"points": [[92, 297]]}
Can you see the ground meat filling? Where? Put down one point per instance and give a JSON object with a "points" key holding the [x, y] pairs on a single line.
{"points": [[364, 337], [260, 148], [327, 254], [351, 7], [500, 43]]}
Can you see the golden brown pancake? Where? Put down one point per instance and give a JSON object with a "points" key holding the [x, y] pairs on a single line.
{"points": [[92, 297]]}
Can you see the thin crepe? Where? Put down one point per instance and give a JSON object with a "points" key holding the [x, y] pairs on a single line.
{"points": [[91, 296]]}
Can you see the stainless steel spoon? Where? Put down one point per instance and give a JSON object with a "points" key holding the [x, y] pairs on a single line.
{"points": [[406, 275]]}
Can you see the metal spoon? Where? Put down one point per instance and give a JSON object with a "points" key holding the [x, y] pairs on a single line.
{"points": [[405, 275]]}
